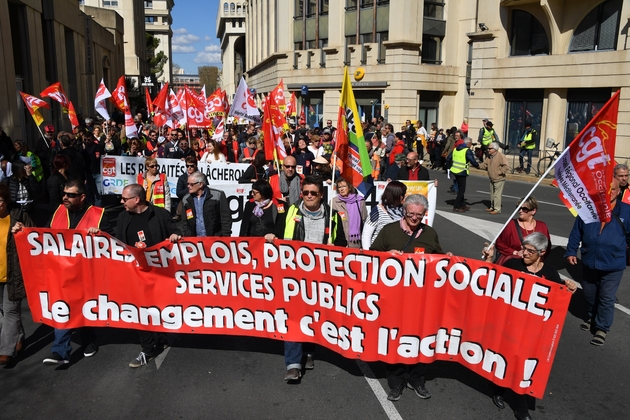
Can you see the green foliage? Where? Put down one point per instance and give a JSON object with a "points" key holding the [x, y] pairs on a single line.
{"points": [[209, 76], [156, 61]]}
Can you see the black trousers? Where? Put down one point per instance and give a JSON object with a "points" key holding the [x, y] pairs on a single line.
{"points": [[461, 185], [401, 375], [148, 341], [522, 401]]}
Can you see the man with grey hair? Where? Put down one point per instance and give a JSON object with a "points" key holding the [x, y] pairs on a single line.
{"points": [[497, 166], [458, 162], [409, 235], [621, 174], [206, 209]]}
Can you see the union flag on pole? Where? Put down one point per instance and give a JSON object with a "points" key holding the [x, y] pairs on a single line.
{"points": [[33, 104], [119, 96], [147, 98], [99, 100], [196, 111], [584, 171], [72, 116], [55, 91], [350, 149], [244, 105], [268, 132], [292, 107]]}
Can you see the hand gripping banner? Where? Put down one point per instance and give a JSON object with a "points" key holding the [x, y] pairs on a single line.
{"points": [[502, 324]]}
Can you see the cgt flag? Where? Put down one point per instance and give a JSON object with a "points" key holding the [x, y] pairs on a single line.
{"points": [[56, 92], [350, 149], [244, 105], [584, 171], [33, 104], [102, 94], [72, 116]]}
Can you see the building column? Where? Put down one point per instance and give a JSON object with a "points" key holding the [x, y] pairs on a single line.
{"points": [[555, 116]]}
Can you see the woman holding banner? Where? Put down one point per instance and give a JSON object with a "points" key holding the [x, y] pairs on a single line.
{"points": [[533, 249], [212, 153], [509, 241], [255, 171], [260, 213]]}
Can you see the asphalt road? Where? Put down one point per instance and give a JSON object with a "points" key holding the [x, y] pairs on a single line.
{"points": [[223, 377]]}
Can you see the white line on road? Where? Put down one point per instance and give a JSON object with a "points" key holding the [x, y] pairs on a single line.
{"points": [[378, 390], [488, 230], [511, 196], [160, 357]]}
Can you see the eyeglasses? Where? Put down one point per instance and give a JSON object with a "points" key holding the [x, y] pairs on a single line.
{"points": [[151, 166], [414, 215], [525, 209], [306, 193], [254, 192], [192, 184], [191, 166], [71, 194], [530, 251], [289, 166], [124, 199]]}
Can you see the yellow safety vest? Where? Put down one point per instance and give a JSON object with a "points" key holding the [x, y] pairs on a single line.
{"points": [[293, 218], [488, 136], [527, 140], [460, 163]]}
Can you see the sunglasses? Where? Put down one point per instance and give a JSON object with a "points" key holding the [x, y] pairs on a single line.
{"points": [[124, 199], [309, 192], [525, 209], [71, 194], [151, 166], [290, 166], [191, 166]]}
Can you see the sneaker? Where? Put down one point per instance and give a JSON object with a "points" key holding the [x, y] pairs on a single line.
{"points": [[55, 359], [310, 363], [395, 393], [141, 360], [421, 391], [90, 350], [586, 325], [293, 375]]}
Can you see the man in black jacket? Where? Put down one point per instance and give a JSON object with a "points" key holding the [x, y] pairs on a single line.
{"points": [[143, 225], [206, 210]]}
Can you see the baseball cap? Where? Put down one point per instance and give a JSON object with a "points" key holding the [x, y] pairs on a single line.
{"points": [[161, 139], [49, 128], [326, 131], [400, 157]]}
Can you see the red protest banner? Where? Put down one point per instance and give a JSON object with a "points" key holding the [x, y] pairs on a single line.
{"points": [[502, 324]]}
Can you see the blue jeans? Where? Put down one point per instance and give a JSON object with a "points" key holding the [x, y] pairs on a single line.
{"points": [[529, 153], [293, 355], [600, 290], [62, 344]]}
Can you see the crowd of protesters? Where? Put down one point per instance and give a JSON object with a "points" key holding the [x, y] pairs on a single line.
{"points": [[57, 184]]}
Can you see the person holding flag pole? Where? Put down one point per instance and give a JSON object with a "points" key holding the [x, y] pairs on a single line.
{"points": [[350, 150]]}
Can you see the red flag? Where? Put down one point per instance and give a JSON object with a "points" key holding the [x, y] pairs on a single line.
{"points": [[292, 107], [33, 104], [72, 115], [584, 171], [226, 103], [214, 105], [56, 92], [119, 96], [161, 107], [160, 101], [268, 132], [147, 98], [195, 111]]}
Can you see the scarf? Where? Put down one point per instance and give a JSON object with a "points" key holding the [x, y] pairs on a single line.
{"points": [[260, 205], [293, 187], [353, 206], [396, 213]]}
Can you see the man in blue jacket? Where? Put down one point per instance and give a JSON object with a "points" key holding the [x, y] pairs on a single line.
{"points": [[603, 259]]}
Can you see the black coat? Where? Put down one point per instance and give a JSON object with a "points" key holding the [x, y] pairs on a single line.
{"points": [[160, 223], [15, 281], [217, 216]]}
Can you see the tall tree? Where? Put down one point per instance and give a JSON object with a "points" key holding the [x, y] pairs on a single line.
{"points": [[209, 76], [156, 61]]}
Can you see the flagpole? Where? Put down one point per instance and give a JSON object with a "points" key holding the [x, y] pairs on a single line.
{"points": [[553, 164], [332, 194]]}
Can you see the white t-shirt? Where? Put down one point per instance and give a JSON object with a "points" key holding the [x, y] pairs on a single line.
{"points": [[209, 157], [317, 152]]}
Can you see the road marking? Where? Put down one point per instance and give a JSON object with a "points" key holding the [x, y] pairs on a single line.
{"points": [[379, 392], [511, 196], [489, 230], [159, 359]]}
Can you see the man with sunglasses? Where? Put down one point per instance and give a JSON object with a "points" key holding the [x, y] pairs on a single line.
{"points": [[409, 235], [307, 220], [206, 209], [76, 213], [143, 225], [286, 184]]}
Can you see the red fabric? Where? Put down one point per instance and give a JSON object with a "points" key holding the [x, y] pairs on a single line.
{"points": [[91, 218], [508, 241], [366, 305], [399, 147]]}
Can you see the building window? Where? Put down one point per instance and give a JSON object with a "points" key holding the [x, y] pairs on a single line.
{"points": [[150, 19], [311, 45], [431, 49], [528, 35], [226, 7], [232, 8], [522, 105], [148, 4], [582, 106], [434, 9], [323, 7], [323, 42], [299, 9], [110, 3], [598, 30]]}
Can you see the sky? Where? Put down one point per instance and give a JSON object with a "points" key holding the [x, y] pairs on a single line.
{"points": [[195, 42]]}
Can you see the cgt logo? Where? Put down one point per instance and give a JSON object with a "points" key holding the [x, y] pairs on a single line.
{"points": [[109, 167], [115, 182]]}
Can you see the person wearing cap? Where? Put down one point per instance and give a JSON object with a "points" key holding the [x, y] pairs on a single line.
{"points": [[400, 162], [458, 161], [327, 142], [46, 148], [486, 136], [322, 169], [527, 146], [413, 171]]}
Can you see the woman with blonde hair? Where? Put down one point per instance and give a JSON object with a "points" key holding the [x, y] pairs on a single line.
{"points": [[212, 153], [155, 184]]}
